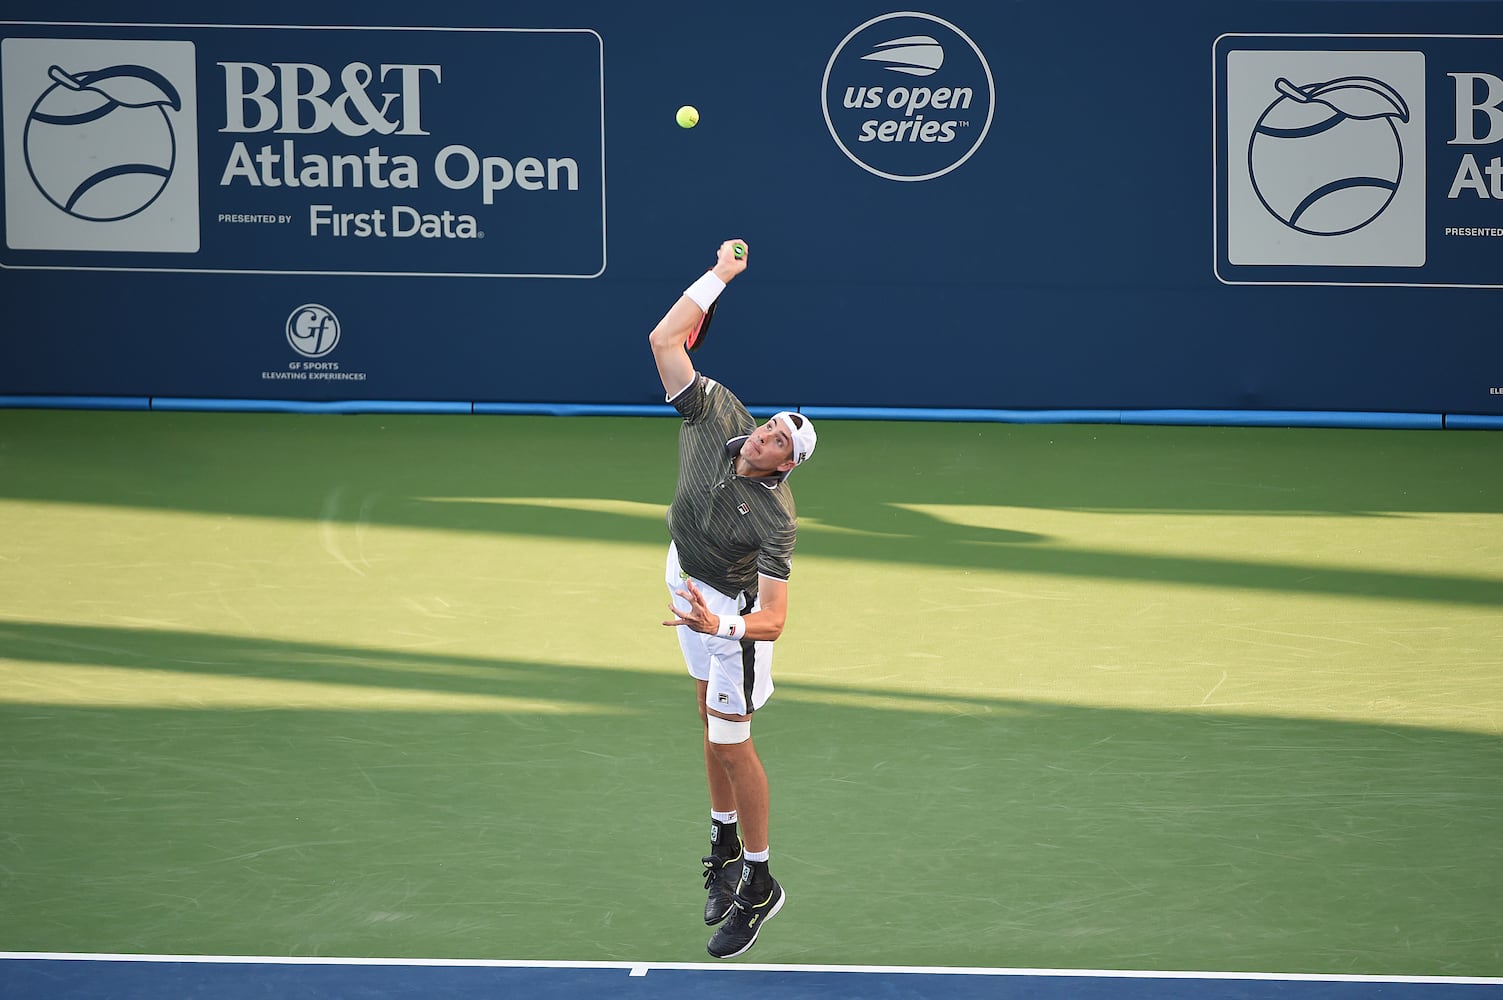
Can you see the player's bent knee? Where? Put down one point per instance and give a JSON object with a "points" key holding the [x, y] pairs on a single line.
{"points": [[724, 731]]}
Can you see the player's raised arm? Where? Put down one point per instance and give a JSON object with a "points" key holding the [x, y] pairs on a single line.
{"points": [[670, 337]]}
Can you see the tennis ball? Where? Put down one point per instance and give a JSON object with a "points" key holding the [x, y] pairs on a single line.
{"points": [[688, 116]]}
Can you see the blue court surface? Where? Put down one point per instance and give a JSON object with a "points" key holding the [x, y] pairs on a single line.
{"points": [[25, 976]]}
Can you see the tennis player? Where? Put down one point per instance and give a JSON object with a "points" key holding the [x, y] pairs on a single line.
{"points": [[733, 526]]}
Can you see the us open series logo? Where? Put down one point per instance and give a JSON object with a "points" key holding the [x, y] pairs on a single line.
{"points": [[908, 96]]}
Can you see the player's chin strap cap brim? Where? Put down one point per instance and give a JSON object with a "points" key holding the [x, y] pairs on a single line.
{"points": [[801, 430]]}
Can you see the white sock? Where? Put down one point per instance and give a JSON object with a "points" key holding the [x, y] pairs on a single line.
{"points": [[720, 817], [758, 855]]}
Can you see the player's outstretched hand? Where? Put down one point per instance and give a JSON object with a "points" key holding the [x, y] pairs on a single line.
{"points": [[699, 617], [730, 259]]}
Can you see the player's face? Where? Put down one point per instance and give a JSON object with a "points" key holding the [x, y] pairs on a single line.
{"points": [[768, 447]]}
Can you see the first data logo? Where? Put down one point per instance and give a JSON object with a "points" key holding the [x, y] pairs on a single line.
{"points": [[908, 96]]}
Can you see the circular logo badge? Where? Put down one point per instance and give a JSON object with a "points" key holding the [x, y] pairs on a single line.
{"points": [[313, 330], [99, 144], [908, 96], [1325, 158]]}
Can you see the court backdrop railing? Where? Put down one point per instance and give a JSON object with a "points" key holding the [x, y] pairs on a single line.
{"points": [[1186, 417]]}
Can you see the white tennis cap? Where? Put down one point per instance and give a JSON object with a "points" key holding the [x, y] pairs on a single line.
{"points": [[801, 430]]}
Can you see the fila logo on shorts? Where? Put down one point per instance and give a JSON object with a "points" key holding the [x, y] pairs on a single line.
{"points": [[743, 508]]}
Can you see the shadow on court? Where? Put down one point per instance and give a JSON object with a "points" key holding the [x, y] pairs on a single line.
{"points": [[445, 473], [975, 832]]}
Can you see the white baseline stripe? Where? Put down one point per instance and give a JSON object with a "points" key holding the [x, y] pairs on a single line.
{"points": [[642, 968]]}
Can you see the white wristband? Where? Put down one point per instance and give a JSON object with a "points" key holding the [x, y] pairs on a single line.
{"points": [[706, 290], [732, 627]]}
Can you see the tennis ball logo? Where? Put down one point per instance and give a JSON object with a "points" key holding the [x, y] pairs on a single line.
{"points": [[99, 143], [1326, 158]]}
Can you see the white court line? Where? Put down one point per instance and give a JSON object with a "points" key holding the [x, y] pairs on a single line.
{"points": [[642, 968]]}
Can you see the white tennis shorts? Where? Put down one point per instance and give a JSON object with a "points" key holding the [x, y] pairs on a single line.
{"points": [[738, 674]]}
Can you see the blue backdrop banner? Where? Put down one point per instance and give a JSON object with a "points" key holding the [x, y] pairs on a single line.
{"points": [[1033, 206]]}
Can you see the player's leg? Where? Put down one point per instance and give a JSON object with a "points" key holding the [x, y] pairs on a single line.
{"points": [[759, 897], [722, 800], [740, 683], [744, 777], [722, 866], [723, 863]]}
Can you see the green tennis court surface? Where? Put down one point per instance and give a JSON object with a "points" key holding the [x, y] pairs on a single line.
{"points": [[1063, 697]]}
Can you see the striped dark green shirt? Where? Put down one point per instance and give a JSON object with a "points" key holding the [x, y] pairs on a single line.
{"points": [[727, 528]]}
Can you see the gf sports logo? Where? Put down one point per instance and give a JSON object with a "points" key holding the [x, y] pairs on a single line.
{"points": [[908, 96], [313, 330], [101, 145], [1325, 158]]}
